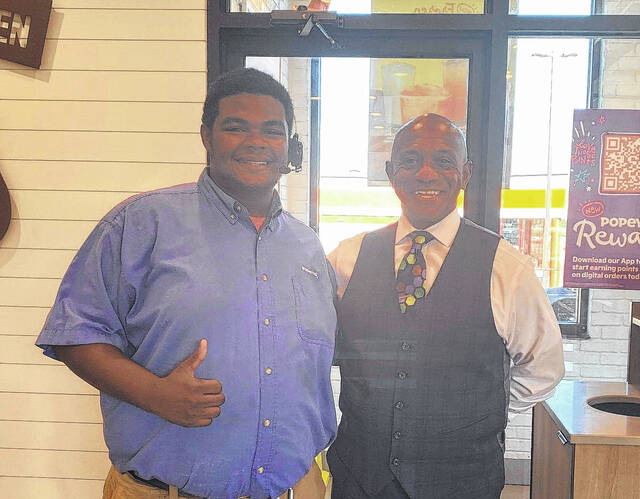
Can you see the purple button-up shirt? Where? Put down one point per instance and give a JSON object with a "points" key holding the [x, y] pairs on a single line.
{"points": [[167, 268]]}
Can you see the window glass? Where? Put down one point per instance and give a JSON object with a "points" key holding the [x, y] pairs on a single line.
{"points": [[364, 6], [349, 109], [360, 114], [547, 80], [574, 7]]}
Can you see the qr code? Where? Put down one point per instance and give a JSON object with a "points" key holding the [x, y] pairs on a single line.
{"points": [[620, 168]]}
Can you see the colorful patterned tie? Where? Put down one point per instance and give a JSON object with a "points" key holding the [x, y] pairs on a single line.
{"points": [[412, 272]]}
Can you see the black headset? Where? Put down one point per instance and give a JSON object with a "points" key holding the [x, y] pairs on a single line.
{"points": [[295, 155]]}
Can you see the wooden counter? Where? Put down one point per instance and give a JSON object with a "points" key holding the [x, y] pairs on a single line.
{"points": [[582, 424], [579, 452]]}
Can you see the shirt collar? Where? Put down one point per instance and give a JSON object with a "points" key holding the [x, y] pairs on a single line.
{"points": [[443, 231], [229, 206]]}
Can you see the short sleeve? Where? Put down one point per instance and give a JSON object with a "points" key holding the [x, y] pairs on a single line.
{"points": [[93, 299]]}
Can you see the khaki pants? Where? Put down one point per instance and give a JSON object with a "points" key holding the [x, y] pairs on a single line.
{"points": [[123, 486]]}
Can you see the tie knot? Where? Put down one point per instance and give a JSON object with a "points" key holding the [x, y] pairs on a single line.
{"points": [[420, 237]]}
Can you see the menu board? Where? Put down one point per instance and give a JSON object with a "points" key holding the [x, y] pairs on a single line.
{"points": [[603, 221]]}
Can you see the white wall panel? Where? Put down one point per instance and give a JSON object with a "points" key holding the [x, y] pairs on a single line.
{"points": [[53, 464], [16, 292], [131, 5], [110, 24], [41, 379], [51, 488], [25, 320], [97, 175], [114, 55], [52, 436], [79, 85], [46, 234], [71, 408], [22, 350], [101, 116], [101, 146], [65, 205], [34, 263]]}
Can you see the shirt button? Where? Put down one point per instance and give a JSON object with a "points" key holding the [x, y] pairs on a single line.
{"points": [[406, 346], [397, 435], [268, 370], [264, 277], [395, 461], [402, 374], [399, 404], [237, 207], [267, 422], [267, 322], [260, 470], [232, 217]]}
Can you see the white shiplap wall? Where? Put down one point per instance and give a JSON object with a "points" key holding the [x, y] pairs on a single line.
{"points": [[114, 110]]}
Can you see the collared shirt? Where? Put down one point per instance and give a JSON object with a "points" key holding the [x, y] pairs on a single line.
{"points": [[522, 313], [167, 268]]}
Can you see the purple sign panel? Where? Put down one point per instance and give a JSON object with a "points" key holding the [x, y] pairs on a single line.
{"points": [[603, 222]]}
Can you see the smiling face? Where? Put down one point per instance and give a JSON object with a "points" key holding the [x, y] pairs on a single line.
{"points": [[247, 144], [428, 168]]}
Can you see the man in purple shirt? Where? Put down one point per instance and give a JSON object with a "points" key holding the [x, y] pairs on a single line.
{"points": [[191, 297]]}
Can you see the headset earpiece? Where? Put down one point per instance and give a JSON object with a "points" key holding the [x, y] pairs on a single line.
{"points": [[295, 154]]}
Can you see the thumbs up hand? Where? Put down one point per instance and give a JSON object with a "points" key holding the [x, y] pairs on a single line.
{"points": [[186, 400]]}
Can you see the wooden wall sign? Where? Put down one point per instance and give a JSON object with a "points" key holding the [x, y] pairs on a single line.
{"points": [[23, 28]]}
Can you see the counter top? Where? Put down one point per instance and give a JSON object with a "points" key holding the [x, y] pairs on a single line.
{"points": [[582, 424]]}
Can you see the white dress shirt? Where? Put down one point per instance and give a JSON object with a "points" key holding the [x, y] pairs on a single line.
{"points": [[523, 315]]}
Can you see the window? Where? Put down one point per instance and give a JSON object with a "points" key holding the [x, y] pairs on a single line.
{"points": [[364, 6], [547, 78]]}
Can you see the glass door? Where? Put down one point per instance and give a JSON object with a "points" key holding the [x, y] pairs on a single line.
{"points": [[347, 113], [351, 97]]}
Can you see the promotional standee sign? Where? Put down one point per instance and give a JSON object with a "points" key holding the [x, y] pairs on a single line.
{"points": [[603, 221]]}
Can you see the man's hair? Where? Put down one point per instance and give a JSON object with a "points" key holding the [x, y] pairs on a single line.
{"points": [[245, 81]]}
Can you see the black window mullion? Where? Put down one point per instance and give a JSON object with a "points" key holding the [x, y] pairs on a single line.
{"points": [[573, 26], [487, 203]]}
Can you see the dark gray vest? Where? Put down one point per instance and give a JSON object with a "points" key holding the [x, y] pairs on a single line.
{"points": [[423, 394]]}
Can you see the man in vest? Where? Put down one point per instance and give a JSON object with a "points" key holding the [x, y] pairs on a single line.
{"points": [[443, 329]]}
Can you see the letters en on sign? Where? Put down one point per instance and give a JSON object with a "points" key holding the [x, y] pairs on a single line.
{"points": [[603, 222], [23, 29]]}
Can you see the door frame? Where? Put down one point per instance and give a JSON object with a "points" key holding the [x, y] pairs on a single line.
{"points": [[234, 43]]}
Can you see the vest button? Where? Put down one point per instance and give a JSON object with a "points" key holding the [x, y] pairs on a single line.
{"points": [[395, 461], [399, 404], [406, 346], [397, 435], [402, 374]]}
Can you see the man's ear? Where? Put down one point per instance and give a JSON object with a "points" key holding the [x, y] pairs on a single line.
{"points": [[388, 168], [205, 135], [467, 170]]}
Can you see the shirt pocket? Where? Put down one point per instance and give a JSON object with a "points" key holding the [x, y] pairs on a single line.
{"points": [[315, 313]]}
